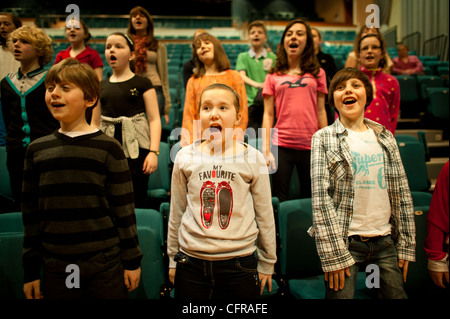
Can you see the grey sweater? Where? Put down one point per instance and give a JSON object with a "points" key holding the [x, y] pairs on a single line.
{"points": [[221, 207]]}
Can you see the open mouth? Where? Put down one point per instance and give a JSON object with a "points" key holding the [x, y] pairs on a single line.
{"points": [[57, 104], [215, 128], [349, 101], [113, 58], [293, 45]]}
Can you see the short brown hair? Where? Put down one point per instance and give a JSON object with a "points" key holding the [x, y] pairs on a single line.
{"points": [[345, 75], [70, 70], [259, 24]]}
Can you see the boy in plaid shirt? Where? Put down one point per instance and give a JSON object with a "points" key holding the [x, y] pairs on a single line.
{"points": [[362, 206]]}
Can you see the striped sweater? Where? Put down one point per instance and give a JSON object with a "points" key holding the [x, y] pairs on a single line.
{"points": [[77, 200]]}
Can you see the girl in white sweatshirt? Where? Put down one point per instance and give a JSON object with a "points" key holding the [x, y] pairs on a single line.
{"points": [[221, 240]]}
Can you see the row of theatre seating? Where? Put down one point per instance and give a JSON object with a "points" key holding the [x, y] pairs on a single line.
{"points": [[298, 272]]}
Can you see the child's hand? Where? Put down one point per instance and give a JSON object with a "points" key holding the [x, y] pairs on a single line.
{"points": [[265, 278], [172, 272], [32, 290], [439, 278], [132, 278], [150, 163], [403, 264], [336, 279], [270, 161]]}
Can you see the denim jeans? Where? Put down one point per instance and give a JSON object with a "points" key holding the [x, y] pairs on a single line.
{"points": [[235, 278], [379, 251]]}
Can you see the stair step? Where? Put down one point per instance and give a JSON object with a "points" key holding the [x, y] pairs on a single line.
{"points": [[432, 136]]}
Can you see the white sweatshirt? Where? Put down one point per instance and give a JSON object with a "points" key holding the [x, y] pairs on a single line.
{"points": [[221, 207]]}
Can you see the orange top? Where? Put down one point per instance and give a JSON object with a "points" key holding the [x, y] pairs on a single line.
{"points": [[195, 87]]}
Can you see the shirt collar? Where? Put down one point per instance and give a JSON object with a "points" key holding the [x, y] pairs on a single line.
{"points": [[252, 53], [371, 71], [378, 128], [29, 74]]}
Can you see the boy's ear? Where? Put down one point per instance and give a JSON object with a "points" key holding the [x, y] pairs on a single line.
{"points": [[91, 102]]}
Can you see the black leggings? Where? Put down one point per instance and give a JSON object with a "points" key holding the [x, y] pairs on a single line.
{"points": [[287, 159], [140, 180]]}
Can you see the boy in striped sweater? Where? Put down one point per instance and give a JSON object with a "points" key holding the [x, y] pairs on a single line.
{"points": [[77, 200]]}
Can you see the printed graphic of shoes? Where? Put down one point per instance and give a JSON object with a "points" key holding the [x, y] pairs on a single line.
{"points": [[224, 203], [207, 199]]}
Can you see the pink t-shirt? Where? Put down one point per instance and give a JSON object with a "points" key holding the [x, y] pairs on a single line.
{"points": [[296, 107]]}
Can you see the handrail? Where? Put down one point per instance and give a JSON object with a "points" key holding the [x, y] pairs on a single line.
{"points": [[437, 46], [413, 42]]}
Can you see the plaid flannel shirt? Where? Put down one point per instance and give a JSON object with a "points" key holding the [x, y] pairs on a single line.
{"points": [[333, 195]]}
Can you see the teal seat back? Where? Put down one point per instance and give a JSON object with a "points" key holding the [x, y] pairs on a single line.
{"points": [[159, 181], [5, 188], [11, 271], [298, 255], [408, 88], [11, 222], [439, 103], [418, 278], [413, 157], [151, 240]]}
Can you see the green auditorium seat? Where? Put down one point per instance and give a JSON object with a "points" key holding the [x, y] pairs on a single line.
{"points": [[11, 222], [11, 243], [11, 271], [413, 156], [151, 240], [159, 181], [408, 88], [418, 281], [300, 265], [439, 102], [5, 188], [427, 81]]}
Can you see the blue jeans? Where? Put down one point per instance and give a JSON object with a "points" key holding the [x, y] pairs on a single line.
{"points": [[235, 278], [379, 251]]}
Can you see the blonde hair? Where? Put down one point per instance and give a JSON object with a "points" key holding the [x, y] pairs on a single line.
{"points": [[40, 41]]}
